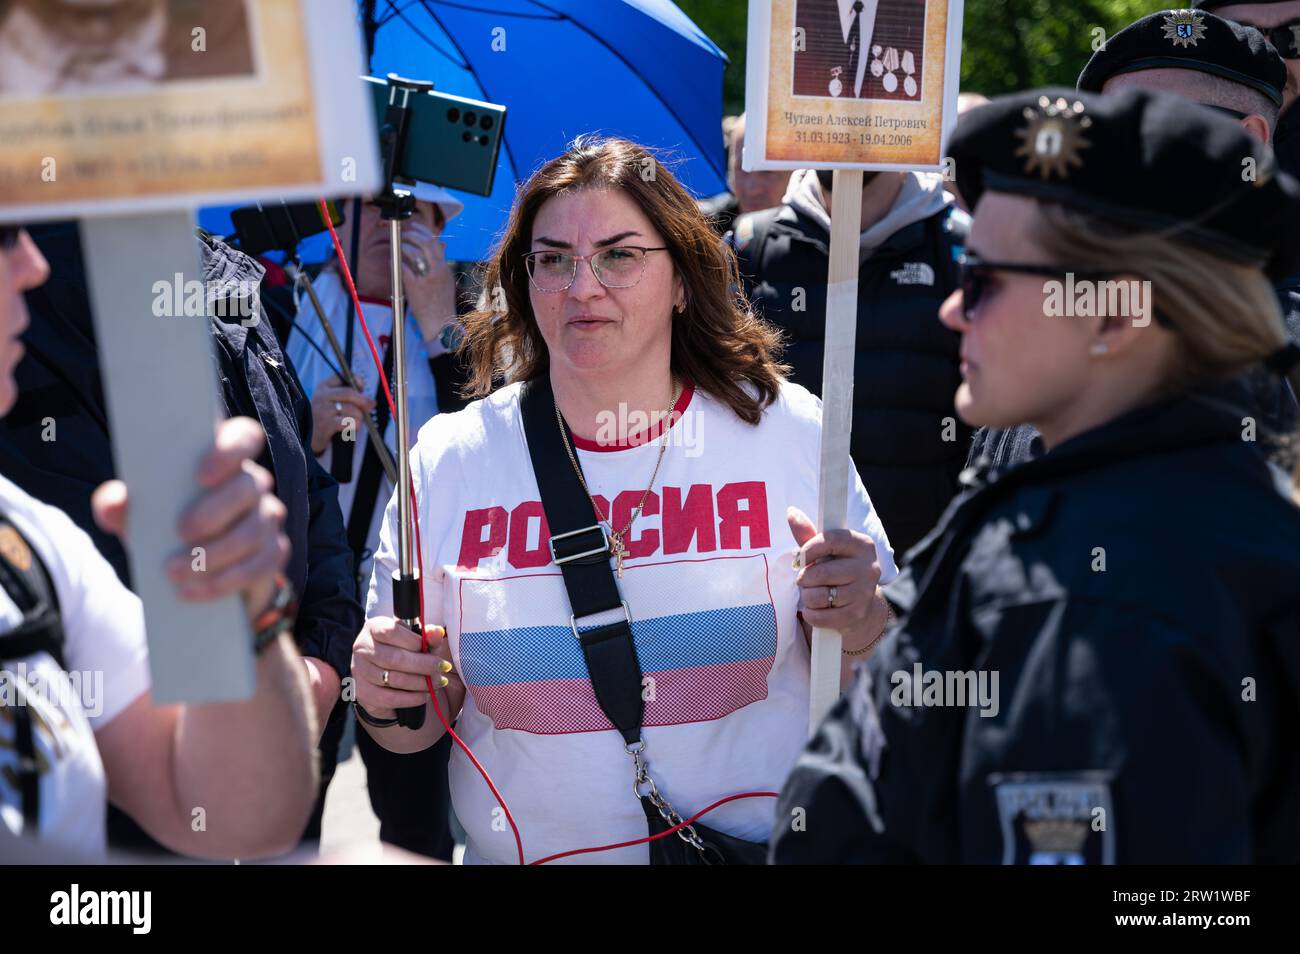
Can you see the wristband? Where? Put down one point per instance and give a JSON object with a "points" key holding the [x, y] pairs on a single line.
{"points": [[368, 719], [277, 618]]}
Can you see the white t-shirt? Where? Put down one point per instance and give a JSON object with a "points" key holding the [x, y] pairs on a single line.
{"points": [[422, 396], [710, 586], [107, 669]]}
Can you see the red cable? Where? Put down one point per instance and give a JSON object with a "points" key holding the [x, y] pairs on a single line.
{"points": [[415, 520], [424, 639], [662, 834]]}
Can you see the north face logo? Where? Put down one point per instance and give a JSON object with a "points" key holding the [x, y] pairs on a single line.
{"points": [[913, 273]]}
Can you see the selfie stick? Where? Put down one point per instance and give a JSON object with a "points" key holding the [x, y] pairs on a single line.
{"points": [[395, 205]]}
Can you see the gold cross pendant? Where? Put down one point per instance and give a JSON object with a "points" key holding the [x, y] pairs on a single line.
{"points": [[619, 551]]}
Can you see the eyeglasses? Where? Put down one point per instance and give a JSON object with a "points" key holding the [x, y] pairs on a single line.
{"points": [[1285, 38], [9, 236], [976, 272], [619, 267]]}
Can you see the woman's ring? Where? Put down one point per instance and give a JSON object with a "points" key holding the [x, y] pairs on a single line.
{"points": [[385, 678], [421, 267], [338, 407], [830, 597]]}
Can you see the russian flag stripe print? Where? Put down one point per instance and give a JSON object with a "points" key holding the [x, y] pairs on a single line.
{"points": [[707, 651]]}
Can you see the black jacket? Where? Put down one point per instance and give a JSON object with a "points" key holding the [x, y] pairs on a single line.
{"points": [[1137, 592], [908, 444], [61, 394]]}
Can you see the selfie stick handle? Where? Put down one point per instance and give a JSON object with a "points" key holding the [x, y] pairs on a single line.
{"points": [[396, 205]]}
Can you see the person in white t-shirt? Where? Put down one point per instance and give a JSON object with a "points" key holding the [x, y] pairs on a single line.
{"points": [[702, 465], [245, 770], [430, 289]]}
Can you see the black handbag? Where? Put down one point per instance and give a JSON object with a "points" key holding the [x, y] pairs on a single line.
{"points": [[580, 548]]}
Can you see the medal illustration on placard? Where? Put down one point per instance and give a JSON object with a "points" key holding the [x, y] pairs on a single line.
{"points": [[885, 64], [860, 49]]}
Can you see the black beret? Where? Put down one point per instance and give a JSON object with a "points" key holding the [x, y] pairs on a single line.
{"points": [[1189, 40], [1215, 4], [1146, 161]]}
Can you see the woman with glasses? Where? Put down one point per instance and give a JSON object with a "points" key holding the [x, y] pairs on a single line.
{"points": [[632, 362], [1098, 661]]}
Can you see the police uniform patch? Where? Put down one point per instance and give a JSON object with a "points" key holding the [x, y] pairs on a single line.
{"points": [[14, 549], [1056, 818], [1184, 27]]}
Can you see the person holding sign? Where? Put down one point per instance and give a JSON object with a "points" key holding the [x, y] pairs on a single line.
{"points": [[905, 440], [234, 779], [643, 378], [1097, 660]]}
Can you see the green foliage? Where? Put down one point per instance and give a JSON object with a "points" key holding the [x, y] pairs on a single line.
{"points": [[1007, 45], [726, 23]]}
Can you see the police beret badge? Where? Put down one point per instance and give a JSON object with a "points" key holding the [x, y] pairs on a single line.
{"points": [[1053, 138], [1184, 27]]}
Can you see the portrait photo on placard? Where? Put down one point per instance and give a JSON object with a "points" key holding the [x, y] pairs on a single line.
{"points": [[73, 47], [859, 49]]}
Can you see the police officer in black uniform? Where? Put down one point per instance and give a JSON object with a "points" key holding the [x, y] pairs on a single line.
{"points": [[1233, 69], [1099, 652]]}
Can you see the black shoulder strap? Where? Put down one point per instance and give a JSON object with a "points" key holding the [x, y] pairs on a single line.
{"points": [[580, 548], [341, 458], [372, 472]]}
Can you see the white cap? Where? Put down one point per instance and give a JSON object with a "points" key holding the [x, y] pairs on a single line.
{"points": [[428, 192]]}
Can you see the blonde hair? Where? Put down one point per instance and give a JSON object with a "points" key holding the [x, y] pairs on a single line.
{"points": [[1225, 314]]}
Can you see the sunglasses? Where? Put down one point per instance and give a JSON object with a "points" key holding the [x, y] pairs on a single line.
{"points": [[9, 236], [975, 274], [1285, 38]]}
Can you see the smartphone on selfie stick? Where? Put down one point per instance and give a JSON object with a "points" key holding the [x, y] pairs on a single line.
{"points": [[449, 141]]}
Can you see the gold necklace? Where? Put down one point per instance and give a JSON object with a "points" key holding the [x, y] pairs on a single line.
{"points": [[616, 538]]}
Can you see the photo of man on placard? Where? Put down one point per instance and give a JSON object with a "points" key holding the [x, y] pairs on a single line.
{"points": [[66, 46], [859, 49]]}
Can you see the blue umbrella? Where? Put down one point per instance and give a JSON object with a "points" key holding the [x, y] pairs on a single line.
{"points": [[633, 68]]}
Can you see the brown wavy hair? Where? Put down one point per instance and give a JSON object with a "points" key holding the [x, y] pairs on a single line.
{"points": [[718, 342]]}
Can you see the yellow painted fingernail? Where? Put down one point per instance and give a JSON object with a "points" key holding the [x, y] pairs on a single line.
{"points": [[444, 666], [442, 681]]}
